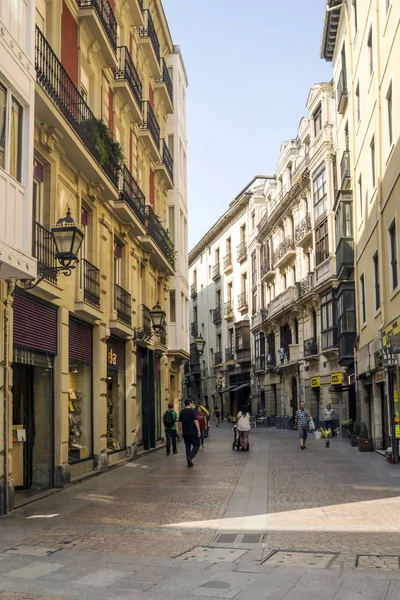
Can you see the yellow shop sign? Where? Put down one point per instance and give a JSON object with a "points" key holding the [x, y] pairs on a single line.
{"points": [[315, 382], [336, 378]]}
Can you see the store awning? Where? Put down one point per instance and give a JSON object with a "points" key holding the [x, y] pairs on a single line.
{"points": [[243, 385], [227, 389]]}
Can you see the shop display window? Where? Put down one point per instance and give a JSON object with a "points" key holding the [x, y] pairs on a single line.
{"points": [[116, 435], [80, 411]]}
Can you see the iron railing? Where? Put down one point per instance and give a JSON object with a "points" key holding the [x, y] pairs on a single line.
{"points": [[228, 307], [229, 354], [241, 250], [58, 85], [242, 300], [106, 16], [310, 347], [345, 168], [302, 228], [123, 305], [150, 122], [329, 338], [266, 267], [227, 260], [44, 250], [217, 358], [159, 234], [217, 314], [91, 283], [193, 290], [304, 286], [167, 159], [283, 248], [216, 272], [127, 72], [165, 78], [148, 30], [341, 91], [132, 194], [193, 329]]}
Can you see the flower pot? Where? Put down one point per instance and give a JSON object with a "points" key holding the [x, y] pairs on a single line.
{"points": [[366, 445], [354, 440], [389, 459]]}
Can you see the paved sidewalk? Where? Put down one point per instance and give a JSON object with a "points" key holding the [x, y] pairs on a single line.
{"points": [[273, 523]]}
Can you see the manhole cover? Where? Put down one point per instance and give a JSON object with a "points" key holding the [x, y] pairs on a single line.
{"points": [[213, 554], [322, 560], [31, 551], [377, 561]]}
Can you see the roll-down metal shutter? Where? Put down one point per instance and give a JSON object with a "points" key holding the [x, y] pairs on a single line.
{"points": [[35, 323], [80, 340]]}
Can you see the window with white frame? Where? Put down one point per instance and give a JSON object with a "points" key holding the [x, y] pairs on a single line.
{"points": [[11, 114], [320, 192]]}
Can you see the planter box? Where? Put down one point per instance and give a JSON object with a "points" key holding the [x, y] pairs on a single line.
{"points": [[354, 440], [366, 445], [389, 459]]}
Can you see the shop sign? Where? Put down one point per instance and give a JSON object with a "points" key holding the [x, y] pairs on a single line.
{"points": [[336, 378], [391, 337], [378, 359], [380, 376], [389, 358], [112, 357], [396, 412], [315, 382]]}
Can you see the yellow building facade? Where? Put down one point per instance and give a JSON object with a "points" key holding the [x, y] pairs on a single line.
{"points": [[90, 378]]}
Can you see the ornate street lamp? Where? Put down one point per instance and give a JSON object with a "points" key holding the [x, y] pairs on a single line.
{"points": [[67, 237], [200, 343], [157, 316]]}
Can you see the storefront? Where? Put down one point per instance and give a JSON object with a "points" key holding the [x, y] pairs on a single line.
{"points": [[35, 345], [116, 399], [145, 399], [80, 401]]}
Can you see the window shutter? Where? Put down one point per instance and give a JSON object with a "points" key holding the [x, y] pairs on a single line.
{"points": [[80, 340], [35, 324]]}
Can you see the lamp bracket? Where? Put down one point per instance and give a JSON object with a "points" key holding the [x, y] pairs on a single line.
{"points": [[144, 335], [44, 273]]}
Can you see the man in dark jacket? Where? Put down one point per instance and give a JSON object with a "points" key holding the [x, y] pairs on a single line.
{"points": [[189, 429]]}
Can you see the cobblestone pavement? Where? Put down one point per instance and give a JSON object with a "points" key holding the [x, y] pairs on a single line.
{"points": [[275, 523]]}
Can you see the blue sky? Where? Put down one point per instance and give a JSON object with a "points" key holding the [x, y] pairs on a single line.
{"points": [[250, 66]]}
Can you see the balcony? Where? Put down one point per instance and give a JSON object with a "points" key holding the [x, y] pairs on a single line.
{"points": [[130, 206], [136, 7], [166, 165], [241, 251], [164, 86], [266, 270], [346, 343], [228, 266], [72, 118], [216, 315], [243, 353], [128, 84], [150, 131], [122, 305], [345, 258], [44, 250], [151, 46], [229, 354], [342, 93], [193, 329], [243, 303], [157, 242], [100, 19], [303, 232], [284, 252], [260, 364], [329, 341], [216, 272], [310, 347], [304, 286], [283, 301], [345, 172], [91, 283], [193, 290], [264, 315], [228, 311], [217, 358], [255, 321]]}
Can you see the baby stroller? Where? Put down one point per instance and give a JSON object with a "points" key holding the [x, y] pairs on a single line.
{"points": [[236, 441]]}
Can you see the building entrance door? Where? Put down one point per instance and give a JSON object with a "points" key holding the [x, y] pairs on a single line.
{"points": [[384, 417]]}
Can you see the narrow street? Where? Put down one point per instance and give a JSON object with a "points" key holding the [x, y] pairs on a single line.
{"points": [[274, 523]]}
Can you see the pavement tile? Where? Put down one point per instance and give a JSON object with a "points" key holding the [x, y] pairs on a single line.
{"points": [[34, 570]]}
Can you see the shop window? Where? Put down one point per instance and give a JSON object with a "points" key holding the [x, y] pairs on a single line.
{"points": [[79, 410], [116, 417]]}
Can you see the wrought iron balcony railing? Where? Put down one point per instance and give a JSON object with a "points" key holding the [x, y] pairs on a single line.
{"points": [[91, 283], [159, 234], [58, 85], [106, 16], [217, 358], [167, 159], [127, 72], [228, 307], [241, 250], [123, 305], [217, 314], [193, 290], [193, 329], [345, 173], [302, 228], [242, 300], [310, 347], [283, 248], [229, 354], [266, 267], [165, 78], [150, 122], [148, 30], [132, 194], [304, 286], [227, 260], [44, 250], [216, 272]]}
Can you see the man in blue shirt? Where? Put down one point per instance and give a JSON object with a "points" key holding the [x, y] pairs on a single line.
{"points": [[302, 419]]}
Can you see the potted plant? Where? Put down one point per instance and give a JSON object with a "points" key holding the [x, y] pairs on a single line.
{"points": [[365, 443], [326, 435], [348, 424], [355, 434], [389, 455]]}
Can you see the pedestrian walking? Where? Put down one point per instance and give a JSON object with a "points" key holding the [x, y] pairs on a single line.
{"points": [[170, 418], [189, 429], [302, 419], [244, 426], [217, 415], [208, 417], [202, 423], [329, 415]]}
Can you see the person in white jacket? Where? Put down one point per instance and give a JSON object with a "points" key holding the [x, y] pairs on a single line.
{"points": [[243, 425]]}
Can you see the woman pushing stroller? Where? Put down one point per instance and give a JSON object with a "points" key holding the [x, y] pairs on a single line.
{"points": [[244, 426]]}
